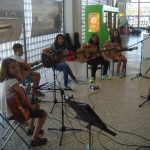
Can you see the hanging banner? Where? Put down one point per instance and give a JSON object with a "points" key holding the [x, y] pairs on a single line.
{"points": [[93, 22], [11, 20], [46, 17]]}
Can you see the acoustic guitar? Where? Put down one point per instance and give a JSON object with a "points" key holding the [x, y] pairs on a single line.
{"points": [[25, 68], [116, 50], [20, 113], [49, 58]]}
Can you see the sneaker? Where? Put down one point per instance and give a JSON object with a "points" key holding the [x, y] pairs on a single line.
{"points": [[122, 74], [75, 81], [92, 79], [106, 77], [39, 93], [30, 132], [68, 88], [38, 142]]}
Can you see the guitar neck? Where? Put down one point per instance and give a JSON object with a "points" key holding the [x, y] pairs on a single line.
{"points": [[35, 63]]}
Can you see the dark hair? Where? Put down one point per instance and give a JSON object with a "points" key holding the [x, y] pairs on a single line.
{"points": [[114, 39], [56, 41], [4, 71], [17, 46], [98, 42]]}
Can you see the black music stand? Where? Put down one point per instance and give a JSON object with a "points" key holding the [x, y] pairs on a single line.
{"points": [[140, 73], [87, 114], [147, 99], [53, 89], [63, 127]]}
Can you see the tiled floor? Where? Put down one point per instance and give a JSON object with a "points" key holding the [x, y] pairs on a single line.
{"points": [[116, 103]]}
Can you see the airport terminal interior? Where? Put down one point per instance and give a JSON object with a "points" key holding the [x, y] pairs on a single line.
{"points": [[80, 69]]}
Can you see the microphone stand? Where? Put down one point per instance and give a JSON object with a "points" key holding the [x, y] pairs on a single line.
{"points": [[140, 73], [147, 99], [147, 70], [63, 128]]}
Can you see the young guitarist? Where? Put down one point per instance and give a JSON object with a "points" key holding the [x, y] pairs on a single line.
{"points": [[9, 78], [58, 49], [96, 59], [116, 42], [31, 76]]}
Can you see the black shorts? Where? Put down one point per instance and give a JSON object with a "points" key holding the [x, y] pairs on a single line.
{"points": [[37, 113]]}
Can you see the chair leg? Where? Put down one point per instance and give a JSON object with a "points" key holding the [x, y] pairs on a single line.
{"points": [[20, 125], [87, 72], [7, 130], [1, 125], [10, 135], [14, 130], [112, 68]]}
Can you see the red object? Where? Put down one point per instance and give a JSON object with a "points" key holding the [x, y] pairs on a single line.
{"points": [[71, 55], [20, 113]]}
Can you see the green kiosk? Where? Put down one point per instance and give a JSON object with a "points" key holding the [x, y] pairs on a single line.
{"points": [[100, 19]]}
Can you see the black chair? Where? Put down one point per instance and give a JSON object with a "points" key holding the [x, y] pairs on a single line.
{"points": [[113, 66], [100, 67]]}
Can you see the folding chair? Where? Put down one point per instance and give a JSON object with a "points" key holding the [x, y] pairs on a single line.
{"points": [[1, 125], [100, 67], [12, 126], [113, 66]]}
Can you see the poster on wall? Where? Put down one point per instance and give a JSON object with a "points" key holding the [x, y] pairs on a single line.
{"points": [[46, 17], [11, 20], [93, 22]]}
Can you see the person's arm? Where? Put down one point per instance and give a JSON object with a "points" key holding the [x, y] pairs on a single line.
{"points": [[24, 99]]}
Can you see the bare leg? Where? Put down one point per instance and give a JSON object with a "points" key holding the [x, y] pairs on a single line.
{"points": [[124, 60], [39, 125], [31, 123], [118, 66], [36, 80], [124, 66]]}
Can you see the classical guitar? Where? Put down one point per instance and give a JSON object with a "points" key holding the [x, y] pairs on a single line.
{"points": [[49, 58], [116, 50], [25, 68], [20, 113]]}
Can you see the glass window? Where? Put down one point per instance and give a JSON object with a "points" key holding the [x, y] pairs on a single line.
{"points": [[132, 9], [34, 45], [132, 13], [144, 9]]}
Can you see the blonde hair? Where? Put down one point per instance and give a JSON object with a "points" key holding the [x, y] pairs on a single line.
{"points": [[4, 71]]}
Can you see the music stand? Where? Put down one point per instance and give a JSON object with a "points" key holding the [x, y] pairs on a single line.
{"points": [[63, 127], [53, 89], [87, 114]]}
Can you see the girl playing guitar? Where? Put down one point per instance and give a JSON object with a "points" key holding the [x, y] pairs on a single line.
{"points": [[97, 58], [9, 78], [116, 42]]}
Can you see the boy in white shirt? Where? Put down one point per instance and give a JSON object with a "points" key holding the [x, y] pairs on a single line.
{"points": [[31, 76]]}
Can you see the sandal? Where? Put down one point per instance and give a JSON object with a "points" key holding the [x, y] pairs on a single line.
{"points": [[39, 141]]}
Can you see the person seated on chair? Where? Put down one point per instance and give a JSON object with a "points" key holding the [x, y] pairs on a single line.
{"points": [[58, 48], [122, 60], [96, 59], [9, 78], [30, 76]]}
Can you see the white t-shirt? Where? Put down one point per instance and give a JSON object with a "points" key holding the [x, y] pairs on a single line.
{"points": [[6, 88], [17, 58]]}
